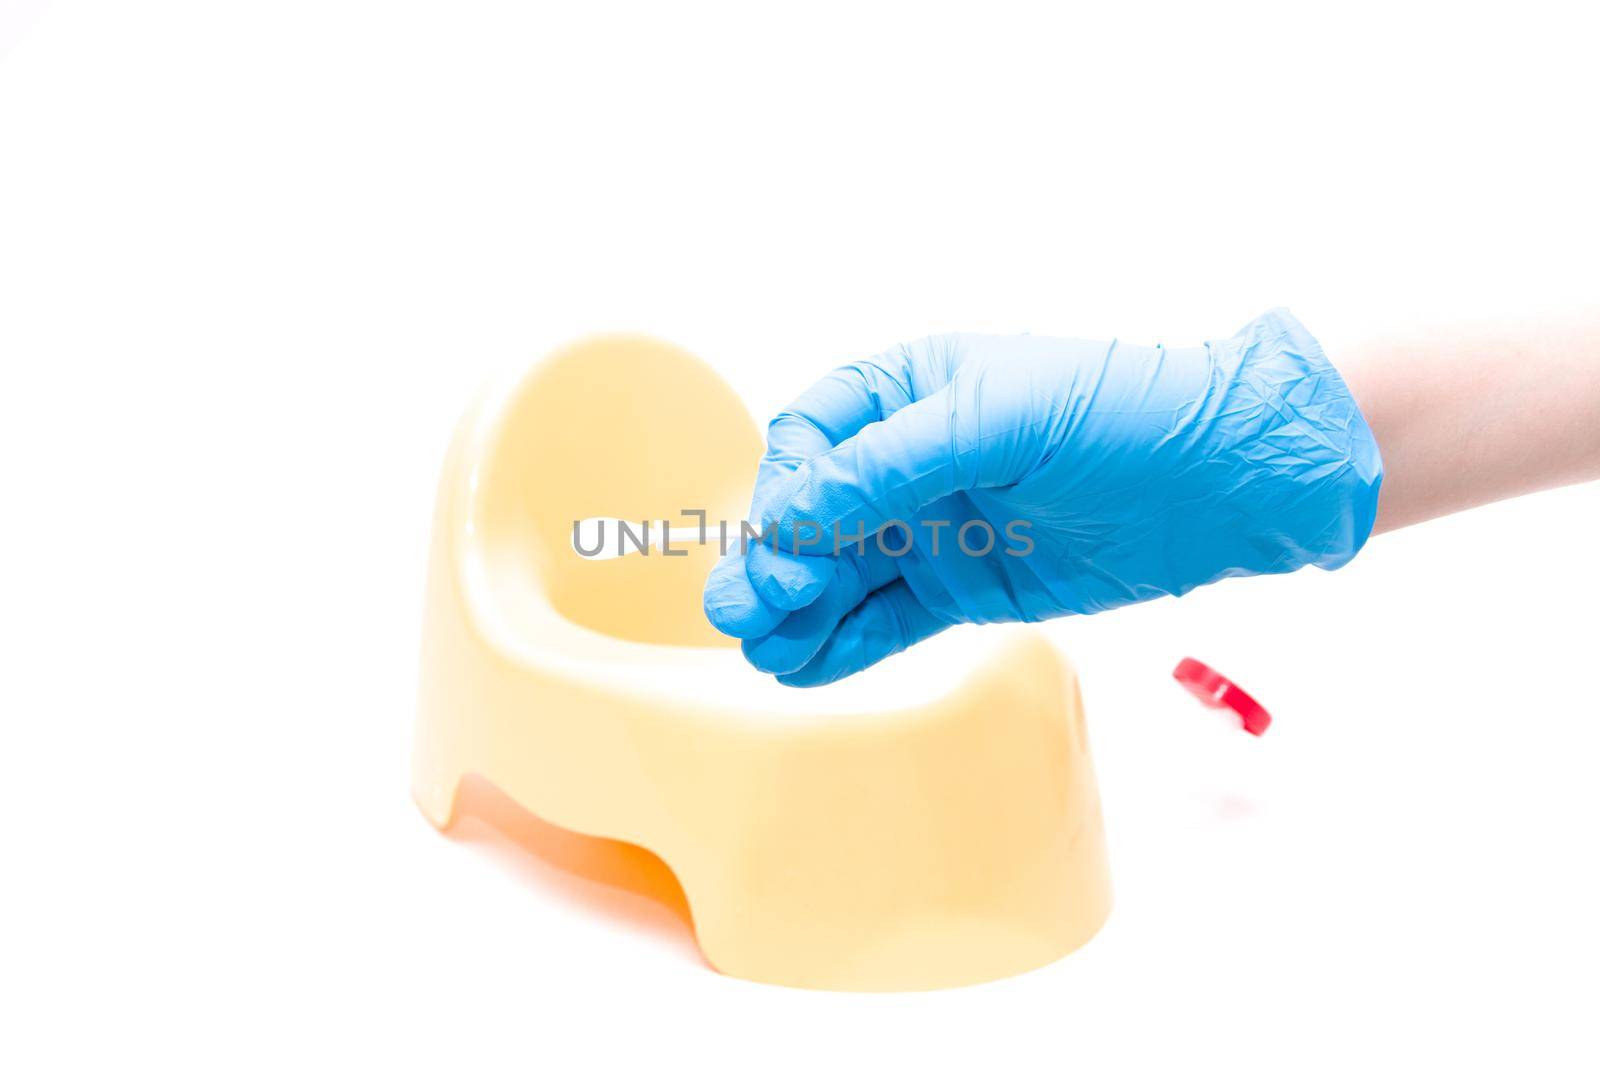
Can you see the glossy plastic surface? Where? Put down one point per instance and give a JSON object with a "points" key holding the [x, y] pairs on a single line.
{"points": [[1216, 690], [936, 825]]}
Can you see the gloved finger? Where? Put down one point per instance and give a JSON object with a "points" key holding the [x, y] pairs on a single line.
{"points": [[832, 410], [795, 640], [886, 472], [836, 408], [785, 580], [888, 621], [732, 604], [789, 581]]}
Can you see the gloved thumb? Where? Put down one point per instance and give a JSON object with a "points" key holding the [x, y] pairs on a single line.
{"points": [[888, 471]]}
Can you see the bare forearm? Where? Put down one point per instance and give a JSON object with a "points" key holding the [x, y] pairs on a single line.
{"points": [[1466, 417]]}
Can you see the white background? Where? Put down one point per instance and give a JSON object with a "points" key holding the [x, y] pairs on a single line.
{"points": [[254, 258]]}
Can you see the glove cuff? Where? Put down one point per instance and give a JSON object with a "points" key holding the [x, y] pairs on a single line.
{"points": [[1310, 431]]}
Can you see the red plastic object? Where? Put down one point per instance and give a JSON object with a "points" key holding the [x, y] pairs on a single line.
{"points": [[1217, 691]]}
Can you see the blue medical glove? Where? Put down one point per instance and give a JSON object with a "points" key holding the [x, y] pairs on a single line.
{"points": [[1104, 473]]}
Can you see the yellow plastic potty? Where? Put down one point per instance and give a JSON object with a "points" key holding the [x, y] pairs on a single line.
{"points": [[933, 822]]}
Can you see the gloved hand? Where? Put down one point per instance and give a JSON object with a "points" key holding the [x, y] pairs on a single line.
{"points": [[1106, 474]]}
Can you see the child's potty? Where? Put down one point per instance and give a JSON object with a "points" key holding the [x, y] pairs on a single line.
{"points": [[907, 829]]}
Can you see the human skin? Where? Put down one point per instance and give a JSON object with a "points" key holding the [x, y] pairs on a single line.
{"points": [[1467, 416]]}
